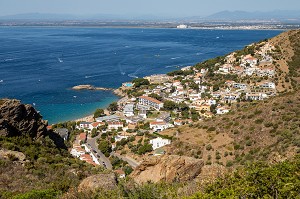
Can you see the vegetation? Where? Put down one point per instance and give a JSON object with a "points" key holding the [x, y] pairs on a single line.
{"points": [[98, 113], [113, 107], [138, 82], [48, 171]]}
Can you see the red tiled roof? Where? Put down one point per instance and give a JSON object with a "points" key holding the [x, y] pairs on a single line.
{"points": [[151, 99], [157, 123], [82, 136], [120, 172]]}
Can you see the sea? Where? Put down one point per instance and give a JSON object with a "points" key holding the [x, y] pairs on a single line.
{"points": [[40, 65]]}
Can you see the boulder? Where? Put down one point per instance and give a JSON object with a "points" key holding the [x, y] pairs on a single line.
{"points": [[168, 168], [99, 181]]}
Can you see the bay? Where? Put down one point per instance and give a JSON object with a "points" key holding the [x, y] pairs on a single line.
{"points": [[39, 65]]}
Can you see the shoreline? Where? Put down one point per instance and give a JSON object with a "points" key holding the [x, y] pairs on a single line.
{"points": [[90, 117]]}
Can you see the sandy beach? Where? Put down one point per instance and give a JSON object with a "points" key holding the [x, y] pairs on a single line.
{"points": [[90, 118]]}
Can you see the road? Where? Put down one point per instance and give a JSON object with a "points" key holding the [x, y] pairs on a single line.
{"points": [[133, 163], [93, 144]]}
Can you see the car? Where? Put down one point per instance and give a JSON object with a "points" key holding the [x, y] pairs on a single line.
{"points": [[98, 155], [94, 151]]}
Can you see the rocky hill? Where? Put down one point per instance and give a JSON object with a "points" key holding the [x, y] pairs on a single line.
{"points": [[18, 119]]}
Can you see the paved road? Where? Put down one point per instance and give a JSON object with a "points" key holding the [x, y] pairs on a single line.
{"points": [[93, 144], [133, 163]]}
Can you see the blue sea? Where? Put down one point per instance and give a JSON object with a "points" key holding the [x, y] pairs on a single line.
{"points": [[39, 65]]}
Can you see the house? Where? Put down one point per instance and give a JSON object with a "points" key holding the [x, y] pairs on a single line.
{"points": [[158, 126], [149, 101], [95, 125], [195, 96], [82, 137], [62, 132], [267, 85], [240, 86], [222, 110], [129, 110], [248, 59], [77, 150], [120, 173], [118, 138], [109, 118], [84, 125], [256, 96], [159, 142], [114, 125], [178, 122], [226, 68]]}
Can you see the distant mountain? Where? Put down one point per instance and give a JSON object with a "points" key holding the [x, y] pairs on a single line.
{"points": [[59, 17], [39, 16], [279, 15]]}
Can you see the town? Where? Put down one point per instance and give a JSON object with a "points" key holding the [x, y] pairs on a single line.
{"points": [[131, 127]]}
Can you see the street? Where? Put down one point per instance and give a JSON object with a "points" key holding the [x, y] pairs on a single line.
{"points": [[92, 143]]}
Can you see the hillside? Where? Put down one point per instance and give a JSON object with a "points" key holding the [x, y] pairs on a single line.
{"points": [[255, 131], [32, 158], [250, 152]]}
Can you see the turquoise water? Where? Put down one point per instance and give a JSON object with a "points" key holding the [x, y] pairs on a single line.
{"points": [[39, 65]]}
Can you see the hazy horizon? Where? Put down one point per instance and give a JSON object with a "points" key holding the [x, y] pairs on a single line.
{"points": [[130, 8]]}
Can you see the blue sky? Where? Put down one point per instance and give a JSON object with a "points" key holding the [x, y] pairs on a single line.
{"points": [[174, 8]]}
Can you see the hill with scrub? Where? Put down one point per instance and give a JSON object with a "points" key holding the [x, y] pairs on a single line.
{"points": [[256, 146]]}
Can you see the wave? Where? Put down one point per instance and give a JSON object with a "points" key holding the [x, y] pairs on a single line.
{"points": [[9, 59]]}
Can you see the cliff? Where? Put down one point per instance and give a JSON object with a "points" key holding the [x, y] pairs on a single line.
{"points": [[19, 119]]}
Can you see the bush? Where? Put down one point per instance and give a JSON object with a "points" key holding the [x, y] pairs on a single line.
{"points": [[38, 194], [229, 163], [208, 147]]}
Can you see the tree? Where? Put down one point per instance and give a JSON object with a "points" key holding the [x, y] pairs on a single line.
{"points": [[113, 107], [98, 113], [138, 82], [155, 96], [105, 147], [170, 105], [94, 132]]}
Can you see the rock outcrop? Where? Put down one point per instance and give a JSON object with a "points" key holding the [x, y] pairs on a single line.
{"points": [[169, 168], [19, 119], [90, 87], [99, 181]]}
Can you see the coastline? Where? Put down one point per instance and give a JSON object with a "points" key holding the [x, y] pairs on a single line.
{"points": [[90, 117]]}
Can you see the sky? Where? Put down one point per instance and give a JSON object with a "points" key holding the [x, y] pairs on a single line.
{"points": [[160, 8]]}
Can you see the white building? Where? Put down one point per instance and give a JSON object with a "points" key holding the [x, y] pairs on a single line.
{"points": [[267, 85], [84, 125], [151, 102], [182, 26], [129, 110], [222, 110], [159, 142], [114, 125], [158, 126]]}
